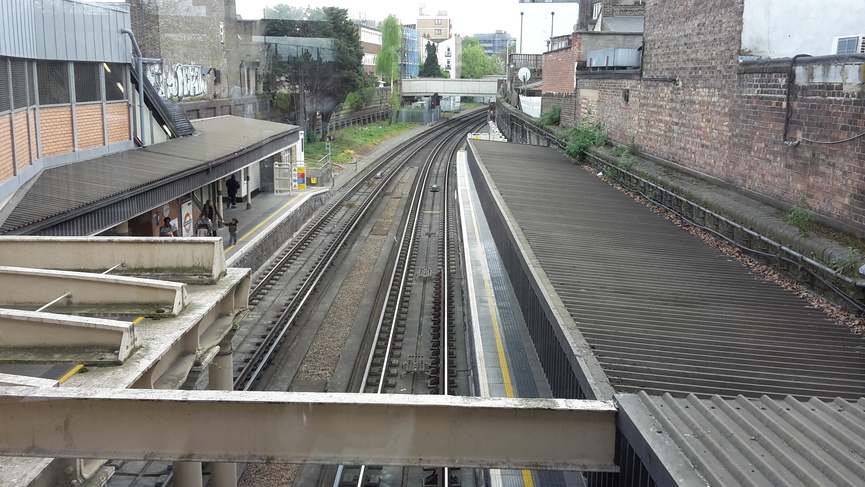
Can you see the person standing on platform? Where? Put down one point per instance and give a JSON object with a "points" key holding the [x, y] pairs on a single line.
{"points": [[210, 211], [232, 185], [166, 230], [232, 232]]}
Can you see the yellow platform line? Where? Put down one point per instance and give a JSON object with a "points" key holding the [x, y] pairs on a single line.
{"points": [[500, 349], [247, 234]]}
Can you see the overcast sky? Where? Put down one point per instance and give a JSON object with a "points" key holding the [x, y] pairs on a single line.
{"points": [[469, 17]]}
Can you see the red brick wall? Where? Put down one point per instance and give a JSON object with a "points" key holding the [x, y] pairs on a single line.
{"points": [[117, 115], [23, 142], [830, 176], [55, 124], [558, 75], [6, 160], [89, 125], [726, 123]]}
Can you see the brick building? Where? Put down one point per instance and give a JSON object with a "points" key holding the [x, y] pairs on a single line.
{"points": [[774, 126]]}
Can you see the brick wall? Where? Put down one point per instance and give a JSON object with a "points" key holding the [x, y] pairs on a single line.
{"points": [[697, 107], [23, 142], [830, 176], [558, 74], [568, 102], [55, 124], [88, 120], [117, 116], [6, 161]]}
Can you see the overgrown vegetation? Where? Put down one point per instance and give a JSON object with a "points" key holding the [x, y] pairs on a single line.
{"points": [[623, 157], [847, 261], [354, 140], [586, 134], [801, 216], [552, 116]]}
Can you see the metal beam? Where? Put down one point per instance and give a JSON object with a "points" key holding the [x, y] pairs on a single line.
{"points": [[392, 429]]}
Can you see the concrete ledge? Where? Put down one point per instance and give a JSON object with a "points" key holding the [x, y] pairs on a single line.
{"points": [[47, 337], [383, 429], [26, 287], [198, 259]]}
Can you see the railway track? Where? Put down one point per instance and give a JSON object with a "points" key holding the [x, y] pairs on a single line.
{"points": [[413, 351]]}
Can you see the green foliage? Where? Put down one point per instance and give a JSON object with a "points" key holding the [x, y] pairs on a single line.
{"points": [[623, 157], [282, 98], [586, 134], [387, 60], [552, 116], [322, 83], [355, 139], [801, 216], [354, 101], [846, 261], [431, 67], [474, 61]]}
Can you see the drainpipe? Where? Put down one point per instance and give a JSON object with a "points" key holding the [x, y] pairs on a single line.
{"points": [[140, 70]]}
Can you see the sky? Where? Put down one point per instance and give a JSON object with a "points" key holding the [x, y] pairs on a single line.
{"points": [[468, 17]]}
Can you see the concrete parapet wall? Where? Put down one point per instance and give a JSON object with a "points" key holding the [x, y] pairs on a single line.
{"points": [[258, 253], [200, 258]]}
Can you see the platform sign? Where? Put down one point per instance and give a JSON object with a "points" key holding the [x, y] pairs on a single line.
{"points": [[300, 175], [186, 212]]}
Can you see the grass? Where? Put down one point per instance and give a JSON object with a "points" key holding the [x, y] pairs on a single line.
{"points": [[355, 139]]}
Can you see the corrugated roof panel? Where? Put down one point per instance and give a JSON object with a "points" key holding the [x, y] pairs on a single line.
{"points": [[756, 442], [62, 189], [663, 311]]}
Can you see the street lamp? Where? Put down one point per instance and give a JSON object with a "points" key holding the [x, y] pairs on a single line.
{"points": [[521, 32], [552, 16]]}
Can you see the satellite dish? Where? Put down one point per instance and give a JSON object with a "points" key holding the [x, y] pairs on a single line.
{"points": [[524, 74]]}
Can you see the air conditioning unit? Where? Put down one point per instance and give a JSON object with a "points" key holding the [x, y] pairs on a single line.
{"points": [[849, 44]]}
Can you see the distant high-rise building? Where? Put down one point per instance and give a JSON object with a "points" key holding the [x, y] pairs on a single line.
{"points": [[435, 27], [494, 43], [409, 65]]}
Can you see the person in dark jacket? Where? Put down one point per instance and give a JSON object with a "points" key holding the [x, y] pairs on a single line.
{"points": [[166, 230], [232, 185], [232, 231]]}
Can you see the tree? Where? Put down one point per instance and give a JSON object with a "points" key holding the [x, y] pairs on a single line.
{"points": [[475, 62], [387, 61], [321, 77], [431, 68]]}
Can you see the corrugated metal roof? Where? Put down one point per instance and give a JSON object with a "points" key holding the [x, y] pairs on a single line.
{"points": [[108, 190], [754, 442], [663, 311]]}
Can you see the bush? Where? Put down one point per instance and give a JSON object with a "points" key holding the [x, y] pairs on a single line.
{"points": [[552, 116], [800, 216], [586, 134], [354, 101]]}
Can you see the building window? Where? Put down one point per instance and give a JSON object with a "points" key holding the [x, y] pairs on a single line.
{"points": [[438, 21], [22, 91], [53, 83], [848, 45], [5, 99], [115, 89], [596, 10], [448, 52], [438, 32], [87, 82]]}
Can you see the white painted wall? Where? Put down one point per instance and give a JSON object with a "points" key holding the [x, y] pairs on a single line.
{"points": [[781, 28]]}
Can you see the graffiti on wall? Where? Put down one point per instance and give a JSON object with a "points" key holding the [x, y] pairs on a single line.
{"points": [[178, 80]]}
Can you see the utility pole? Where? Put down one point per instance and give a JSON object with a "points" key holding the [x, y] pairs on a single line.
{"points": [[552, 17], [521, 32]]}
